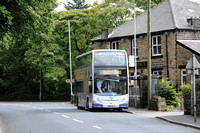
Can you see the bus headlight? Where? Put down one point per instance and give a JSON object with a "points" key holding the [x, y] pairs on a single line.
{"points": [[98, 100]]}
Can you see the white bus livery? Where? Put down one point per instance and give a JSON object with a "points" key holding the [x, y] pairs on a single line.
{"points": [[101, 79]]}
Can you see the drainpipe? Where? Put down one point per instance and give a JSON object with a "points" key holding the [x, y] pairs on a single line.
{"points": [[167, 54]]}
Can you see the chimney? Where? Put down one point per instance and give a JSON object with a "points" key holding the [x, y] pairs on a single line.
{"points": [[194, 23], [105, 33]]}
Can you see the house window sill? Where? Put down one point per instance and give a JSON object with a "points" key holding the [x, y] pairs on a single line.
{"points": [[156, 56]]}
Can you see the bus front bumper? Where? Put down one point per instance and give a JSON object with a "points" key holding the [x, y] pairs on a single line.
{"points": [[97, 105]]}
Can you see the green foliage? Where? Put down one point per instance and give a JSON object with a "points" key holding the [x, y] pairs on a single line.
{"points": [[166, 109], [34, 37], [5, 19], [112, 13], [25, 18], [77, 4], [186, 89], [168, 91], [82, 29], [26, 45], [142, 4]]}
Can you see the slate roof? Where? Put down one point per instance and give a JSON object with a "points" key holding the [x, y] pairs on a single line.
{"points": [[169, 15], [193, 45]]}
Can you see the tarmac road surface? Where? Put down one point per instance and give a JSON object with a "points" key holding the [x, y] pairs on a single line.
{"points": [[61, 117]]}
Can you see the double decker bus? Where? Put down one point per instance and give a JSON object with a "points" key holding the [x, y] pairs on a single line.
{"points": [[102, 80]]}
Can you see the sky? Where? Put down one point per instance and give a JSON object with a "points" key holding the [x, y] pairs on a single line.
{"points": [[195, 1], [61, 6]]}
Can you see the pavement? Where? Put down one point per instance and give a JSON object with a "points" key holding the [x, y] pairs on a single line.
{"points": [[176, 117]]}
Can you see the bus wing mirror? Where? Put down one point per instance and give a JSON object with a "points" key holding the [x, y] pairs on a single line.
{"points": [[89, 83], [132, 82]]}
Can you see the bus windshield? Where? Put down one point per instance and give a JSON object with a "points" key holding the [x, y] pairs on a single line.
{"points": [[110, 87], [109, 58]]}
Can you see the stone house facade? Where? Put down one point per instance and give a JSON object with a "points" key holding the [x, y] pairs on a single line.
{"points": [[175, 37]]}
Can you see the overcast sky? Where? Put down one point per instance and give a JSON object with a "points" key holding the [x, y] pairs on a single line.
{"points": [[196, 1], [61, 6]]}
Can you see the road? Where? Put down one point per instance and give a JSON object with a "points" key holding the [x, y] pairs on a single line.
{"points": [[57, 117]]}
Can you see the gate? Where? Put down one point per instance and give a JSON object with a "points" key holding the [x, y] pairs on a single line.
{"points": [[140, 95]]}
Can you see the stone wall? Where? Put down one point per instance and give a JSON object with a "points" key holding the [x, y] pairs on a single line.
{"points": [[198, 102], [158, 103], [188, 35], [187, 108], [186, 98]]}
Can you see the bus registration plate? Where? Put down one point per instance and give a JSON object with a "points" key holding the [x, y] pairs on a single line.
{"points": [[111, 106]]}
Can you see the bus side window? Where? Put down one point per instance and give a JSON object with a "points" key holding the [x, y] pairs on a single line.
{"points": [[80, 86]]}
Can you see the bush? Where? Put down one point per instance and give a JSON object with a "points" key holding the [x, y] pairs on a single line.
{"points": [[186, 89], [168, 91]]}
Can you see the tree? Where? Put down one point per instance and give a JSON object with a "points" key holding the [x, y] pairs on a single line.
{"points": [[142, 4], [26, 45], [34, 40], [112, 13], [168, 91], [25, 17], [77, 4], [5, 19]]}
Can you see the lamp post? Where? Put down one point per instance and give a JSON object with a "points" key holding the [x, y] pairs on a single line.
{"points": [[70, 57]]}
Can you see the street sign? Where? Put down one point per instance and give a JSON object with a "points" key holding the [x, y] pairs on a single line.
{"points": [[190, 63], [131, 61], [69, 80], [190, 71]]}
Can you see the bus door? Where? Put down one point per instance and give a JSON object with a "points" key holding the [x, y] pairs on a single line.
{"points": [[81, 77]]}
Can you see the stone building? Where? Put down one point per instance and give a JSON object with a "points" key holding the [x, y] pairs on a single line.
{"points": [[175, 37]]}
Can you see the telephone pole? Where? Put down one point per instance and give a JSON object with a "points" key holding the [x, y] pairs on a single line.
{"points": [[149, 52], [135, 58]]}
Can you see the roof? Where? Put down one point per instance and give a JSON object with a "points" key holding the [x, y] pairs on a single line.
{"points": [[104, 50], [192, 45], [169, 15]]}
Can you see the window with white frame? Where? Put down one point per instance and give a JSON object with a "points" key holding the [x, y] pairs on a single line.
{"points": [[156, 45], [183, 76], [114, 45], [159, 73], [133, 48]]}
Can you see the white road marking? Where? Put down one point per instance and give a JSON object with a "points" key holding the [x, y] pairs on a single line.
{"points": [[78, 120], [40, 108], [48, 110], [97, 127], [65, 116], [56, 113], [0, 127]]}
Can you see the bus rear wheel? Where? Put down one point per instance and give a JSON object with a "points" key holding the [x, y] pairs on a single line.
{"points": [[77, 104], [87, 104]]}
